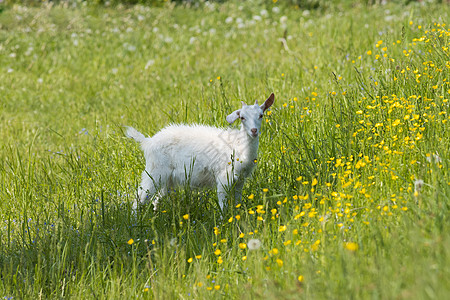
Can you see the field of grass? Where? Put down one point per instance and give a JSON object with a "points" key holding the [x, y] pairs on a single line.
{"points": [[351, 196]]}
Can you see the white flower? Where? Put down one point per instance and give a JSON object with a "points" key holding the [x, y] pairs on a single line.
{"points": [[257, 18], [418, 185], [325, 218], [114, 70], [254, 244], [192, 40], [283, 19], [129, 47], [434, 158], [263, 13], [437, 158], [149, 63], [229, 20], [276, 9]]}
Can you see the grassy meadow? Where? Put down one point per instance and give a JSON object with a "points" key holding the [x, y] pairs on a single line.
{"points": [[351, 196]]}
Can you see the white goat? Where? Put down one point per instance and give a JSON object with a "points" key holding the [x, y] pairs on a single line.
{"points": [[201, 156]]}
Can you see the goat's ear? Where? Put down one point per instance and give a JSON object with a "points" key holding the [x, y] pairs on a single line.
{"points": [[268, 103], [233, 116], [256, 102]]}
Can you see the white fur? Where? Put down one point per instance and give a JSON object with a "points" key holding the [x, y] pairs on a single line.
{"points": [[201, 156]]}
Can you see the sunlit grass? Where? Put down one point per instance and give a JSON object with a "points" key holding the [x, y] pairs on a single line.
{"points": [[351, 193]]}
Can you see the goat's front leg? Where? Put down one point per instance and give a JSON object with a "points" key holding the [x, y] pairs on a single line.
{"points": [[224, 186], [221, 195], [238, 190], [234, 185]]}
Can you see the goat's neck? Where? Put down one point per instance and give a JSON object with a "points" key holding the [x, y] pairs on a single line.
{"points": [[251, 146]]}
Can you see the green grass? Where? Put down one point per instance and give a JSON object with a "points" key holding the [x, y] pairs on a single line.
{"points": [[335, 198]]}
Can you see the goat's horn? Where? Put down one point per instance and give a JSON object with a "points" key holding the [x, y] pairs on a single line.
{"points": [[256, 101]]}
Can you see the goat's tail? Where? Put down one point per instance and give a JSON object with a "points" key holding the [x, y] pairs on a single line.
{"points": [[134, 134]]}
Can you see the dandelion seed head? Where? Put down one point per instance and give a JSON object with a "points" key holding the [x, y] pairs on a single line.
{"points": [[418, 184], [254, 244]]}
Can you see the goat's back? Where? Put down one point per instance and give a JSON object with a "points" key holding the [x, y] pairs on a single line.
{"points": [[205, 149]]}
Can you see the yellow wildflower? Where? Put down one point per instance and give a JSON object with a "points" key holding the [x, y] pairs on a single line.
{"points": [[351, 246], [279, 262]]}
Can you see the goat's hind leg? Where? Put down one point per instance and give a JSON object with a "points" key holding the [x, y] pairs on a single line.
{"points": [[153, 187], [146, 189]]}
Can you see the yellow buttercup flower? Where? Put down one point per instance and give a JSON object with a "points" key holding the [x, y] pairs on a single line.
{"points": [[351, 246], [279, 262]]}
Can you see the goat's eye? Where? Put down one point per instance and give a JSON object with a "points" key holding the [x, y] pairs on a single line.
{"points": [[242, 118], [260, 116]]}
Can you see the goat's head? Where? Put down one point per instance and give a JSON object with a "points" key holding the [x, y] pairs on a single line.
{"points": [[251, 116]]}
